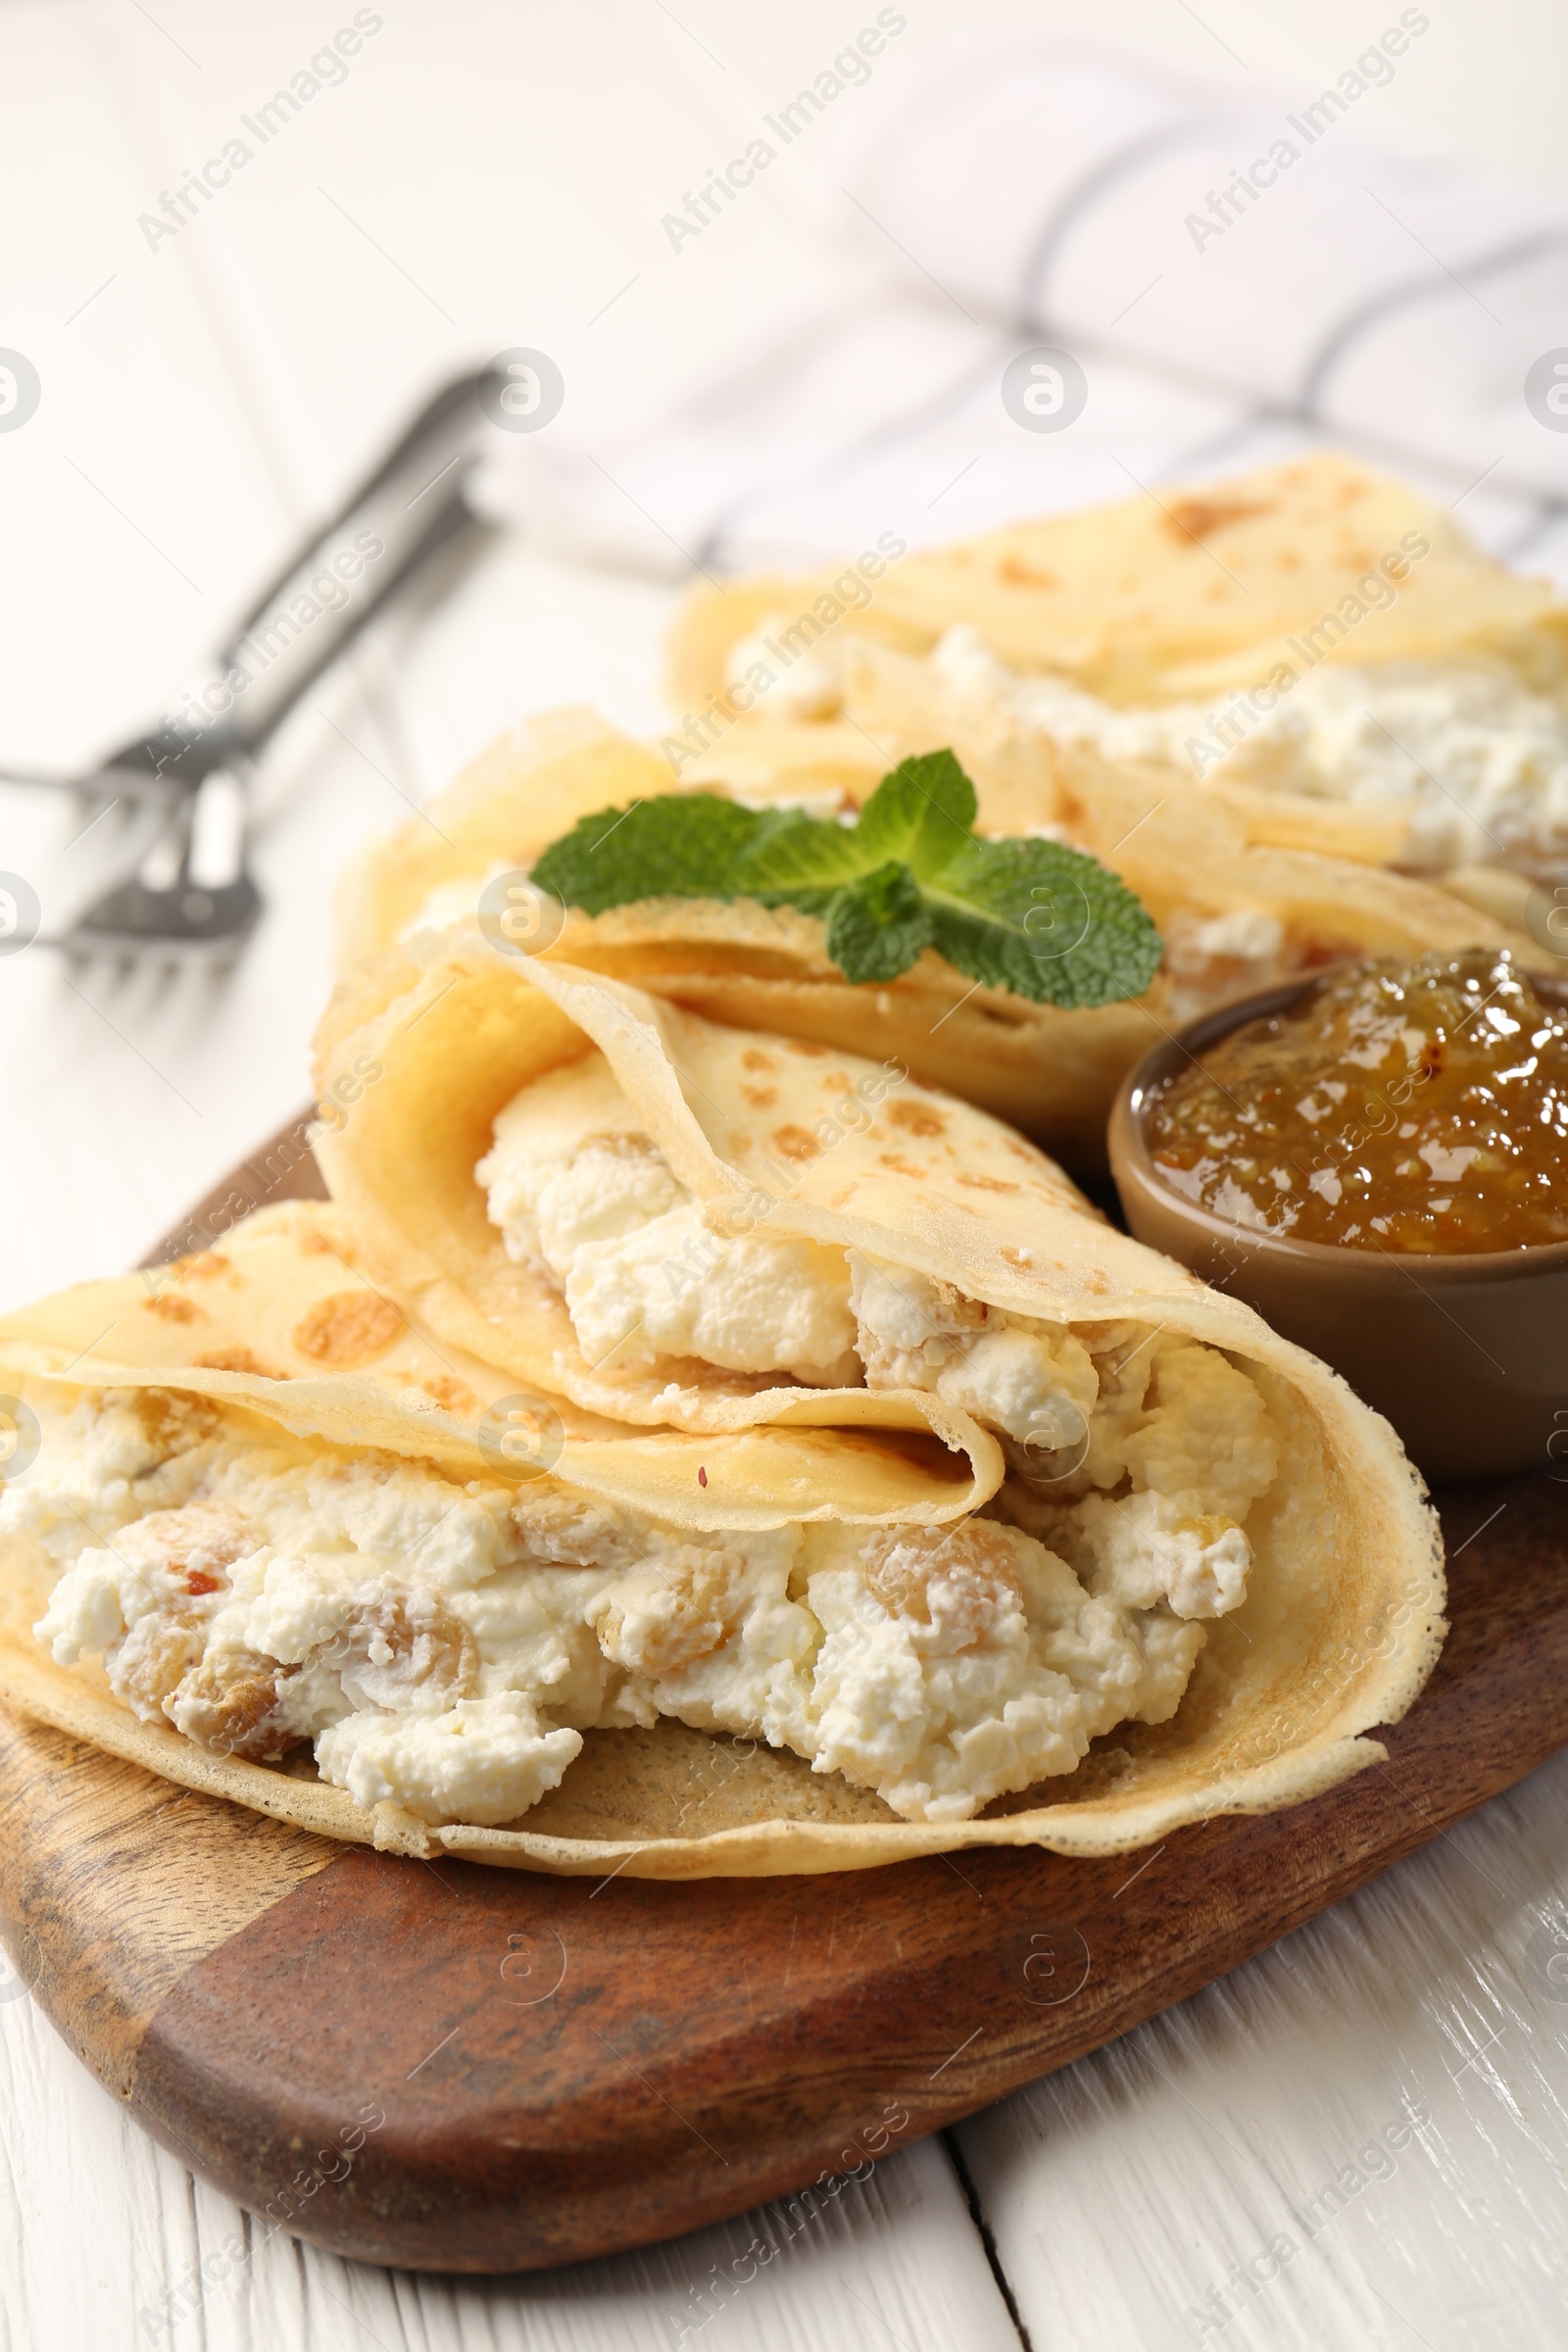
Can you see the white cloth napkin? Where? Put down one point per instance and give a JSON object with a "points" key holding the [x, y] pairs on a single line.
{"points": [[1235, 279]]}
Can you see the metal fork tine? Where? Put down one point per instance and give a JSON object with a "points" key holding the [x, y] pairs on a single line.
{"points": [[205, 910], [190, 895]]}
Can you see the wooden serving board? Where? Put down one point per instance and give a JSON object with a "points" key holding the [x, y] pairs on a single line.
{"points": [[443, 2067]]}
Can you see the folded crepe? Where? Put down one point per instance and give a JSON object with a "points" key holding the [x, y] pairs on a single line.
{"points": [[1321, 646], [1172, 595], [1235, 916], [251, 1513], [663, 1220]]}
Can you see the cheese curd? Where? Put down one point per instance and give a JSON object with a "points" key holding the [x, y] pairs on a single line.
{"points": [[951, 1662], [444, 1646], [1025, 1379], [573, 1184], [1178, 1449], [1174, 1438], [794, 681], [1482, 756]]}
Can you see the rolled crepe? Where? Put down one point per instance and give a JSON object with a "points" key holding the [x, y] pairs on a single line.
{"points": [[660, 1218], [1174, 597], [1235, 917], [282, 1320], [250, 1510], [275, 1560], [1352, 647]]}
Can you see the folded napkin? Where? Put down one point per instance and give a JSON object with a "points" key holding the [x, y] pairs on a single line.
{"points": [[1229, 279]]}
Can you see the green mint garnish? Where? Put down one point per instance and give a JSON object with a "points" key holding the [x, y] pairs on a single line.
{"points": [[1038, 918]]}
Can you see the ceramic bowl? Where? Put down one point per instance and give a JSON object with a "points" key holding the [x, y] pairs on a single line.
{"points": [[1467, 1356]]}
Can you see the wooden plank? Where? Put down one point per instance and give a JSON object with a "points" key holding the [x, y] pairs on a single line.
{"points": [[663, 2079], [666, 2078], [105, 2213], [1142, 2196], [109, 1910], [97, 2225], [103, 2239]]}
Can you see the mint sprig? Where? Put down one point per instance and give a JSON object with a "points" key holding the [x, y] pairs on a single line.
{"points": [[1045, 921]]}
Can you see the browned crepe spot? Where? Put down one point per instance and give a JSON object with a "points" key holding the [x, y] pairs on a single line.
{"points": [[171, 1309], [918, 1118], [351, 1327], [1201, 518], [1020, 574], [796, 1142], [240, 1359]]}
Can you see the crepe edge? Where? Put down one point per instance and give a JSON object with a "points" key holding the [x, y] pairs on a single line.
{"points": [[772, 1848], [31, 1682]]}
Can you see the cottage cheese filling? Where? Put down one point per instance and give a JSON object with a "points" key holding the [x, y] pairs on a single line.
{"points": [[1169, 1431], [1482, 754], [575, 1185], [444, 1645]]}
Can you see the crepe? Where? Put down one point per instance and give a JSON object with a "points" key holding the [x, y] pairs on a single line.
{"points": [[526, 789], [1346, 638], [938, 1205], [282, 1320], [1235, 916], [1243, 1676], [1171, 596], [279, 1347]]}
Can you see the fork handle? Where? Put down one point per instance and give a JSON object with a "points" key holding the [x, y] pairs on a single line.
{"points": [[389, 526]]}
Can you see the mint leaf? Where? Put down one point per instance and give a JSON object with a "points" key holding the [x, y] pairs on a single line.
{"points": [[879, 925], [795, 854], [679, 847], [922, 813], [1036, 917], [1047, 921]]}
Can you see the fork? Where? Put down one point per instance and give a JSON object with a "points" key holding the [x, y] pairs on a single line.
{"points": [[190, 893]]}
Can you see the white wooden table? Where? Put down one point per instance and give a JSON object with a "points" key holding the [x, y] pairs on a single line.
{"points": [[487, 176]]}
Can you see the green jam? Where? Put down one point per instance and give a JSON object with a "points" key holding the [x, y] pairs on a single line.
{"points": [[1415, 1106]]}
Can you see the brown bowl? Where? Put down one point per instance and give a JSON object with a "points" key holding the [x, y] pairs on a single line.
{"points": [[1466, 1356]]}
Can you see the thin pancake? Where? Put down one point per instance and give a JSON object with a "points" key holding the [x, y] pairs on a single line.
{"points": [[1050, 1071], [1349, 1587], [1163, 600]]}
